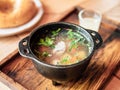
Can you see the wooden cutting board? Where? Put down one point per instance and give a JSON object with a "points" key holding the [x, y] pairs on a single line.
{"points": [[99, 71], [8, 46]]}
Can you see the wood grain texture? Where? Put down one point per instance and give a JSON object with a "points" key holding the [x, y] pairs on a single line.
{"points": [[5, 43], [100, 69], [9, 83], [114, 84], [113, 14], [100, 5], [117, 72], [59, 6]]}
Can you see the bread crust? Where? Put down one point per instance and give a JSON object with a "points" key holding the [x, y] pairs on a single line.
{"points": [[15, 13]]}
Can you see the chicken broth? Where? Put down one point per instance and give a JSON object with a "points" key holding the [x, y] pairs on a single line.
{"points": [[62, 47]]}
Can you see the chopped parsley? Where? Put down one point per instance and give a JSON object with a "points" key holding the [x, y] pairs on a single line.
{"points": [[46, 42], [76, 38]]}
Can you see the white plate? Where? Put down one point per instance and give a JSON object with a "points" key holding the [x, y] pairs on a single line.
{"points": [[12, 31]]}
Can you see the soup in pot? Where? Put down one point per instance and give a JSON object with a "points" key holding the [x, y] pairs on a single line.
{"points": [[62, 47]]}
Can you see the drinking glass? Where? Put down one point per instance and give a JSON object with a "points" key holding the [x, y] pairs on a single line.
{"points": [[90, 19]]}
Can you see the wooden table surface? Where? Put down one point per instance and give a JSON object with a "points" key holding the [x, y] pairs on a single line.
{"points": [[57, 10]]}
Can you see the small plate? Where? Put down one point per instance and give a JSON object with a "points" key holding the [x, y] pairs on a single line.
{"points": [[15, 30]]}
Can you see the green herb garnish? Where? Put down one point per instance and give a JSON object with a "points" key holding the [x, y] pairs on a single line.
{"points": [[73, 44], [76, 38], [45, 54], [65, 59], [70, 34], [49, 41], [46, 42], [55, 33]]}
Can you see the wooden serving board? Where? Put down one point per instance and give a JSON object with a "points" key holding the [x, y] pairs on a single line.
{"points": [[99, 71]]}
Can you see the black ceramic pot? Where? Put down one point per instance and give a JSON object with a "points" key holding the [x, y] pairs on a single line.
{"points": [[59, 73]]}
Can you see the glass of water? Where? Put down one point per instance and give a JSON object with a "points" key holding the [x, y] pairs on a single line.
{"points": [[90, 19]]}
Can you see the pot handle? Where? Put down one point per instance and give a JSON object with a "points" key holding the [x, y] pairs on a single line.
{"points": [[96, 37], [23, 48]]}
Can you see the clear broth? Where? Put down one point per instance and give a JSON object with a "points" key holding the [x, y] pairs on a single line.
{"points": [[62, 48]]}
